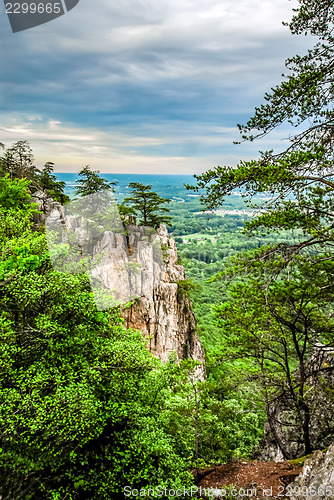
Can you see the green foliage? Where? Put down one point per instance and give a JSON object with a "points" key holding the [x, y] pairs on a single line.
{"points": [[185, 285], [18, 245], [279, 306], [299, 179], [147, 204], [279, 324], [18, 161], [300, 461], [50, 185], [81, 395], [14, 194], [209, 427], [96, 197], [85, 408], [91, 182]]}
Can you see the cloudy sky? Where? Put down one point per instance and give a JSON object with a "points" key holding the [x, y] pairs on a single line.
{"points": [[143, 86]]}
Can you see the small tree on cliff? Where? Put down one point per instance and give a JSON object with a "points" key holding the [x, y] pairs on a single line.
{"points": [[49, 183], [93, 185], [148, 204], [18, 162], [300, 181], [91, 182], [81, 396]]}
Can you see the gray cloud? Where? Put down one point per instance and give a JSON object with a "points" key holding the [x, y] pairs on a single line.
{"points": [[139, 67]]}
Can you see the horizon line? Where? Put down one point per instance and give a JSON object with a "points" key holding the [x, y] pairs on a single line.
{"points": [[119, 173]]}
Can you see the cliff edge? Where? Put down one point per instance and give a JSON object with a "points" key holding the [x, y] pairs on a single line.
{"points": [[164, 313], [139, 264]]}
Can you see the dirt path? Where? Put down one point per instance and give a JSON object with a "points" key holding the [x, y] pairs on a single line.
{"points": [[266, 479]]}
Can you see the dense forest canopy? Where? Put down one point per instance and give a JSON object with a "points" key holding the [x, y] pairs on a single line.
{"points": [[86, 409], [147, 204]]}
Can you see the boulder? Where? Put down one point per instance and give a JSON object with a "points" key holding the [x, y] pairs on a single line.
{"points": [[316, 481], [286, 428]]}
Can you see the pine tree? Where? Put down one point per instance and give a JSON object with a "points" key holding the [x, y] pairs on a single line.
{"points": [[91, 182], [49, 183], [300, 179], [22, 159], [18, 163], [97, 192], [148, 204]]}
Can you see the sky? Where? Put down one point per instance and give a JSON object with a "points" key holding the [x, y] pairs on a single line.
{"points": [[143, 86]]}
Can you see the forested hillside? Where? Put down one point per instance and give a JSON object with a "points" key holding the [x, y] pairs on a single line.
{"points": [[276, 317], [86, 409]]}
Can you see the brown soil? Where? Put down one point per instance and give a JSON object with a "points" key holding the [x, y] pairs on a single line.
{"points": [[267, 479]]}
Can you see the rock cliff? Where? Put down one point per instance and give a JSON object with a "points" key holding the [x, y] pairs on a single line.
{"points": [[45, 205], [136, 264], [164, 313]]}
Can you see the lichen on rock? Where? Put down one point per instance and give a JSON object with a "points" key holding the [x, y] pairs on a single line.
{"points": [[316, 480]]}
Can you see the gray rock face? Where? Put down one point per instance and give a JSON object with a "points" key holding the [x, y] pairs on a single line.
{"points": [[316, 480], [46, 205], [286, 428], [138, 264], [163, 313]]}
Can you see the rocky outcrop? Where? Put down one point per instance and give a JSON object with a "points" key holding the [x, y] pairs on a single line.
{"points": [[142, 265], [283, 437], [163, 312], [45, 205], [316, 480], [135, 264]]}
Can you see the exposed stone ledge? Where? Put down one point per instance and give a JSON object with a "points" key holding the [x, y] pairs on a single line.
{"points": [[316, 481]]}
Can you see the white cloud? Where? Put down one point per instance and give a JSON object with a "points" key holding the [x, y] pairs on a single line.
{"points": [[71, 147], [130, 84]]}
